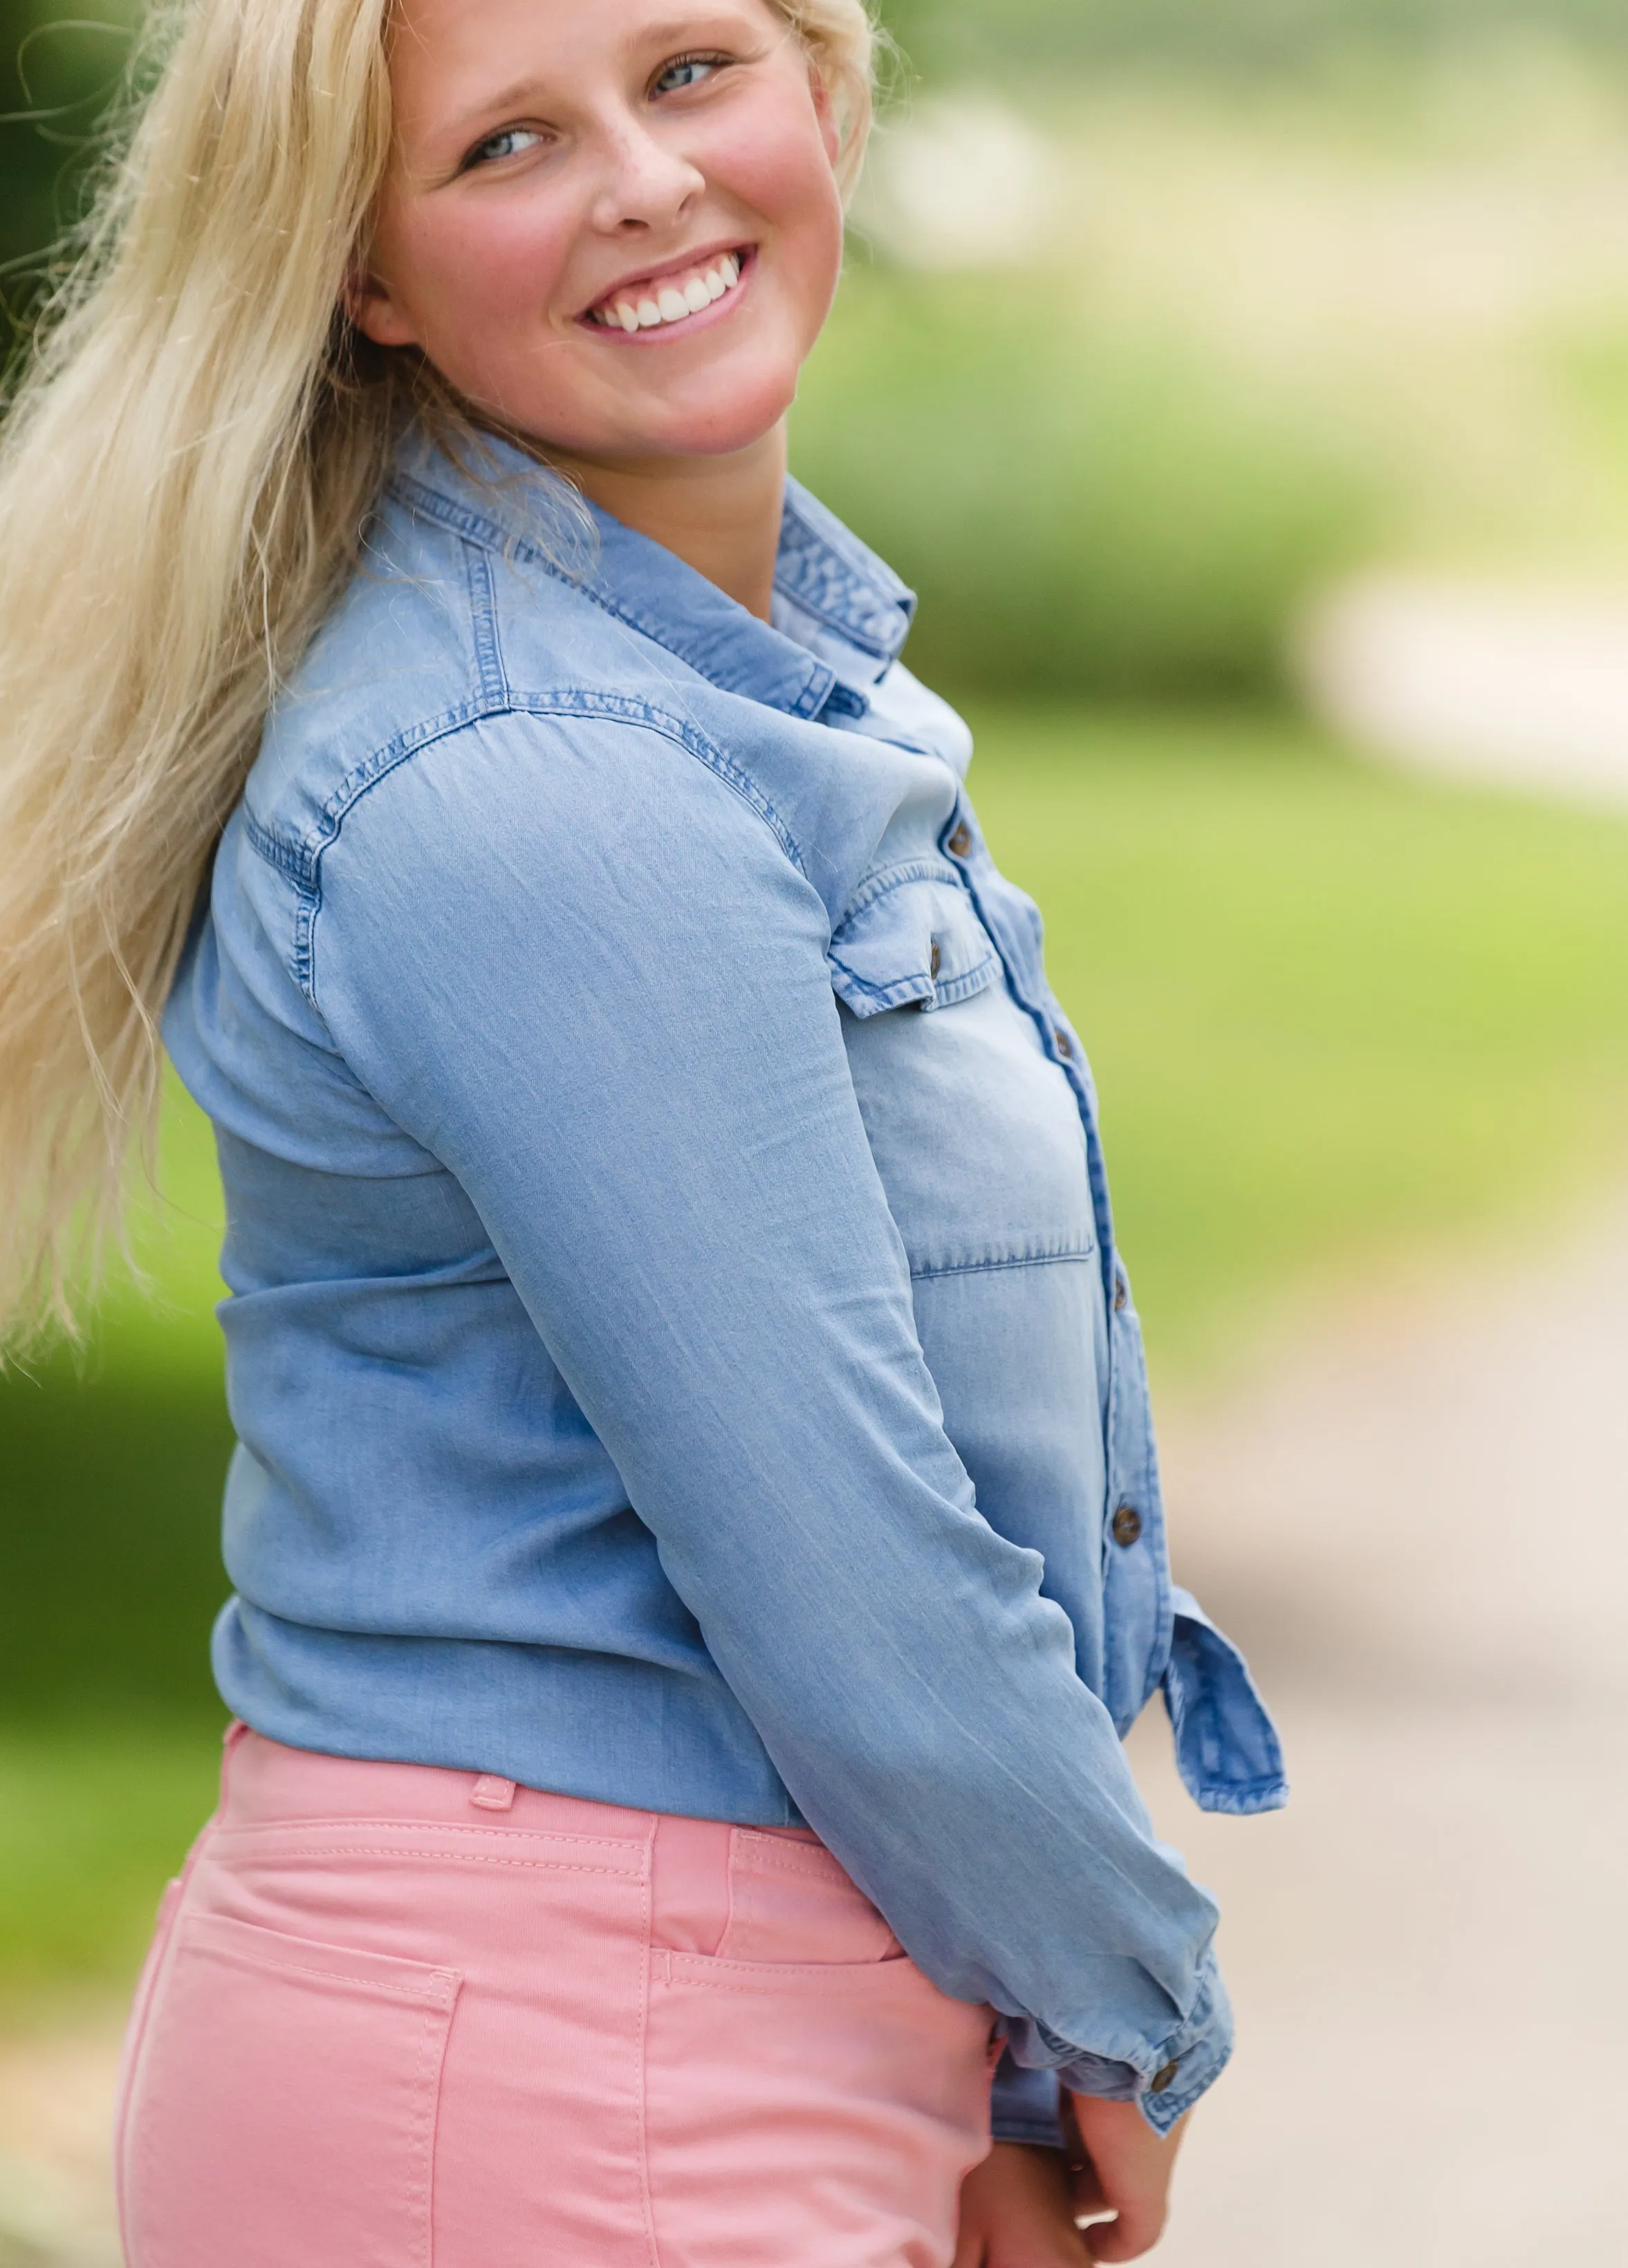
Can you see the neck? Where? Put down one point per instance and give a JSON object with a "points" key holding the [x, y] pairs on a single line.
{"points": [[720, 515]]}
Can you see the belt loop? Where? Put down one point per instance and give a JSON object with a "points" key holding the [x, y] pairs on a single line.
{"points": [[490, 1792], [691, 1882]]}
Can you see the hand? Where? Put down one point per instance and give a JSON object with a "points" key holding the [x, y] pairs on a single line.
{"points": [[1123, 2168], [1017, 2211]]}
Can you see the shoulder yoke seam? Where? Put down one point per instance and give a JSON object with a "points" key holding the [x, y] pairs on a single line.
{"points": [[301, 861]]}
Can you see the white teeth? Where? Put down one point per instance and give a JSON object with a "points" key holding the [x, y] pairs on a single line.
{"points": [[673, 302]]}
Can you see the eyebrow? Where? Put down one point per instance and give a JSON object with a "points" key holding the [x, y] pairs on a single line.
{"points": [[519, 91]]}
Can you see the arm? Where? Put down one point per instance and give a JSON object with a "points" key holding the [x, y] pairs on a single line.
{"points": [[583, 972]]}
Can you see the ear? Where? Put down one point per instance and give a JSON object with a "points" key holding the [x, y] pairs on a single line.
{"points": [[368, 301], [825, 111]]}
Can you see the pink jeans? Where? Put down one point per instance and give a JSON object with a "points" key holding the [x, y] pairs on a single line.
{"points": [[396, 2016]]}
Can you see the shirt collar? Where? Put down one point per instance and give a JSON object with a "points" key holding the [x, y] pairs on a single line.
{"points": [[840, 614]]}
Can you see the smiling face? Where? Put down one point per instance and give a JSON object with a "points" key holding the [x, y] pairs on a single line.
{"points": [[616, 227]]}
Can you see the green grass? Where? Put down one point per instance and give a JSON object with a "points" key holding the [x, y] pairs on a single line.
{"points": [[93, 1820], [1334, 1013], [1336, 1016]]}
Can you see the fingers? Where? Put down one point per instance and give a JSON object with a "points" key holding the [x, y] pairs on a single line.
{"points": [[1134, 2230], [1131, 2168], [1017, 2212]]}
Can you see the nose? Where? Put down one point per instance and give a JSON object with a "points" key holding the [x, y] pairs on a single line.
{"points": [[644, 185]]}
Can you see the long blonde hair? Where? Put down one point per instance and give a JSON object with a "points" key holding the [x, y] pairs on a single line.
{"points": [[184, 474]]}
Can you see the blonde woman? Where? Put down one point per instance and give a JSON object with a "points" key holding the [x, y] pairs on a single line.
{"points": [[695, 1533]]}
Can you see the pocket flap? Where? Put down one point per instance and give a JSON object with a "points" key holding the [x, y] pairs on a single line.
{"points": [[1227, 1746], [910, 937]]}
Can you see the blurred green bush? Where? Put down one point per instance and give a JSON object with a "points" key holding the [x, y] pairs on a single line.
{"points": [[1079, 513], [58, 67], [1008, 39]]}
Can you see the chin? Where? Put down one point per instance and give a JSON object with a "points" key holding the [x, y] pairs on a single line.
{"points": [[718, 420], [707, 413]]}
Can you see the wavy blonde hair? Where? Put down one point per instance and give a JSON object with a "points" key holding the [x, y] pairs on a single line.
{"points": [[185, 471]]}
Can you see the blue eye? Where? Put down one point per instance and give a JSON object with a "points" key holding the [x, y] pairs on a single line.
{"points": [[507, 143], [687, 70]]}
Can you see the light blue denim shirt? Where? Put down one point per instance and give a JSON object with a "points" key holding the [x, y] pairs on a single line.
{"points": [[675, 1340]]}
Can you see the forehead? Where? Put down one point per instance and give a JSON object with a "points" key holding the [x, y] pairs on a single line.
{"points": [[450, 55]]}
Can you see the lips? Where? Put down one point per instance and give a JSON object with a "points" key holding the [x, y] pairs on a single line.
{"points": [[651, 302]]}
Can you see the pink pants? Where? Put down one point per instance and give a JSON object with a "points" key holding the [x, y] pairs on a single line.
{"points": [[395, 2016]]}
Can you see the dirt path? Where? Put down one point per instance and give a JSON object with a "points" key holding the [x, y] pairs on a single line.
{"points": [[1418, 1524]]}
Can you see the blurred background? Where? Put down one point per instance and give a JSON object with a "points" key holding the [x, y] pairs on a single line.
{"points": [[1243, 384]]}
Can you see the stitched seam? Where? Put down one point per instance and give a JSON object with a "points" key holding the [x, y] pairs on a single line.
{"points": [[796, 584], [473, 1857], [566, 703], [436, 1994], [755, 1973], [483, 618], [838, 1976], [904, 987], [579, 702], [287, 858], [432, 2037], [988, 1267], [509, 544], [894, 877], [947, 991], [758, 1861], [509, 1835], [646, 2192], [878, 608]]}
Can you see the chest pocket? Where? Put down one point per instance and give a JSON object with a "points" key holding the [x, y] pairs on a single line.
{"points": [[910, 939], [976, 1134]]}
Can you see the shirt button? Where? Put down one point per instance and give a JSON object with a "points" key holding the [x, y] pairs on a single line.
{"points": [[1122, 1293], [936, 956], [961, 841], [1126, 1524], [1161, 2079], [1064, 1046]]}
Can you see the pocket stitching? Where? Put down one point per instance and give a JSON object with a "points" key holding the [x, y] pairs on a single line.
{"points": [[439, 1989], [829, 1870], [476, 1858], [768, 1976], [434, 2000]]}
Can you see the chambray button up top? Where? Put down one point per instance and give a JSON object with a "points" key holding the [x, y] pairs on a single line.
{"points": [[675, 1339]]}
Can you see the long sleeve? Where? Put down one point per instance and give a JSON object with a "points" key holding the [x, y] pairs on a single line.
{"points": [[577, 965]]}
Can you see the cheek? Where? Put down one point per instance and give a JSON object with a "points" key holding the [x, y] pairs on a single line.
{"points": [[476, 274], [777, 166]]}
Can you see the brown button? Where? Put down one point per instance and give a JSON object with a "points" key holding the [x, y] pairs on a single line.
{"points": [[961, 841], [1126, 1524], [1161, 2079], [1065, 1045], [1122, 1293], [932, 964]]}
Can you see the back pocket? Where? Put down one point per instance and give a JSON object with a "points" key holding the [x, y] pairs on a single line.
{"points": [[282, 2109]]}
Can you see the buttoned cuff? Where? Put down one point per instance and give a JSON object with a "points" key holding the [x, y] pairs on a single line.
{"points": [[1185, 2064]]}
